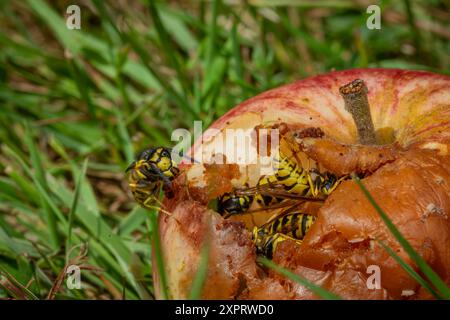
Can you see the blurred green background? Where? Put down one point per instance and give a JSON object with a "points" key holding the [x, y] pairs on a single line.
{"points": [[76, 105]]}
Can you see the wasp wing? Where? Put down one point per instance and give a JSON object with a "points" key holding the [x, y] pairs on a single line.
{"points": [[275, 190], [284, 204]]}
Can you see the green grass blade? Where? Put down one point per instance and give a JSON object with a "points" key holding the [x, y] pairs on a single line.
{"points": [[156, 246], [321, 292], [175, 23], [172, 93], [125, 139], [74, 206], [132, 221], [410, 270], [202, 272], [56, 22], [41, 190], [38, 175], [212, 33], [36, 161], [237, 52], [432, 276], [81, 80], [30, 295], [341, 4], [168, 48]]}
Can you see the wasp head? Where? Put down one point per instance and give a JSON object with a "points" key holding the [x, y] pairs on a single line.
{"points": [[153, 164]]}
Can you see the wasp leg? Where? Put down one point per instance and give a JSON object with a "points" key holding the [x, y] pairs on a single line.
{"points": [[338, 182], [227, 215], [167, 184], [271, 243], [148, 203]]}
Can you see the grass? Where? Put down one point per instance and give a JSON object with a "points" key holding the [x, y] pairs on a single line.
{"points": [[435, 280], [319, 291], [131, 75], [202, 273], [156, 246]]}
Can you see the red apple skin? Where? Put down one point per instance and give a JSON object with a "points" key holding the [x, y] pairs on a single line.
{"points": [[411, 114]]}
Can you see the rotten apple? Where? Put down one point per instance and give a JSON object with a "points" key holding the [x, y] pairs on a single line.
{"points": [[402, 153]]}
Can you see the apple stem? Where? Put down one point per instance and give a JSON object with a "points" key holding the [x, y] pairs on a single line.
{"points": [[356, 102]]}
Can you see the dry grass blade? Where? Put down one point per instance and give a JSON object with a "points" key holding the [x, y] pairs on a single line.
{"points": [[78, 262]]}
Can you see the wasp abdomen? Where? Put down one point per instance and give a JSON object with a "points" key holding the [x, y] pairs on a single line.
{"points": [[292, 226], [231, 204]]}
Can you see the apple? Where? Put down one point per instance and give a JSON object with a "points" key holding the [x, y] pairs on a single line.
{"points": [[407, 172]]}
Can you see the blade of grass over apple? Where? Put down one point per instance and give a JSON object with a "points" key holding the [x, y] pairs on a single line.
{"points": [[321, 292], [410, 270], [202, 272], [432, 276], [152, 223]]}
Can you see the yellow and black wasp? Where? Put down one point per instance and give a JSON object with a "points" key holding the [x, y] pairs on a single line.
{"points": [[308, 183], [290, 183], [295, 180], [290, 186], [265, 200], [269, 243], [292, 226], [230, 204], [152, 171]]}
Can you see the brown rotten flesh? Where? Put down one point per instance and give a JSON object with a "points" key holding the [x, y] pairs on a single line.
{"points": [[407, 173]]}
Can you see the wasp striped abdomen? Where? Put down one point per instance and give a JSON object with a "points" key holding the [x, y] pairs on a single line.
{"points": [[271, 243], [289, 182], [231, 204], [292, 226]]}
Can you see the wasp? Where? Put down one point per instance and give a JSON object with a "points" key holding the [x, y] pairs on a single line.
{"points": [[308, 183], [230, 204], [265, 200], [152, 171], [268, 244], [293, 226], [290, 181]]}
